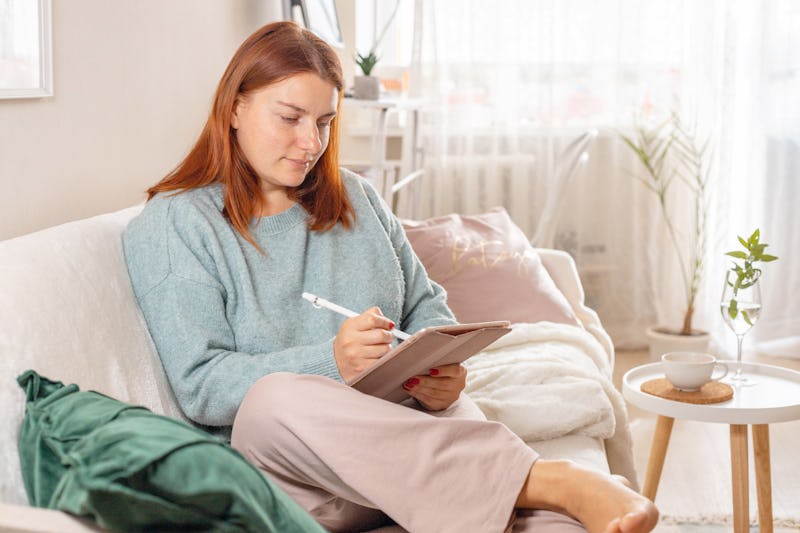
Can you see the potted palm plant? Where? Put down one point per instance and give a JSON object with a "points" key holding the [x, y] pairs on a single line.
{"points": [[670, 154]]}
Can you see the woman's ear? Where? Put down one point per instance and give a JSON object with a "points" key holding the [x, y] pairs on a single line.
{"points": [[235, 115]]}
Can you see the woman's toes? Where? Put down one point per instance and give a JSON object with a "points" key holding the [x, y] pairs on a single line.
{"points": [[622, 479]]}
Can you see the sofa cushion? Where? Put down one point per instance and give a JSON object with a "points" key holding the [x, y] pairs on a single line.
{"points": [[489, 269], [68, 310], [129, 469]]}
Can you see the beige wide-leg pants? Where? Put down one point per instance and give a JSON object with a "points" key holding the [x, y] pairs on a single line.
{"points": [[356, 463]]}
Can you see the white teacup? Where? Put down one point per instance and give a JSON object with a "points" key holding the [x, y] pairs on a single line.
{"points": [[688, 371]]}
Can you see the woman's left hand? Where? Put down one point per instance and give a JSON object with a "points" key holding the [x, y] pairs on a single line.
{"points": [[440, 388]]}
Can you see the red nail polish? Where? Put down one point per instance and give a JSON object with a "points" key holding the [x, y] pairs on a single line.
{"points": [[433, 372], [391, 325]]}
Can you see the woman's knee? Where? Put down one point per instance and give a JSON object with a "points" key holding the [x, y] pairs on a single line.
{"points": [[264, 409], [270, 389], [278, 401]]}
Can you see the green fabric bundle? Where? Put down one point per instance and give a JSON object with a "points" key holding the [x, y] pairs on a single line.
{"points": [[129, 469]]}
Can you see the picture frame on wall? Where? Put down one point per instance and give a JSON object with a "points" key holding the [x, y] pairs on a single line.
{"points": [[26, 49], [319, 16]]}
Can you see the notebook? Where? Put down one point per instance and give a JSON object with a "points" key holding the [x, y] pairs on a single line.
{"points": [[425, 349]]}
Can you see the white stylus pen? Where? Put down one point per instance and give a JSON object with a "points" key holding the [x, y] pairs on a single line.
{"points": [[321, 302]]}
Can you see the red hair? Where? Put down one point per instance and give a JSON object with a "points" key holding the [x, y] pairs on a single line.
{"points": [[273, 53]]}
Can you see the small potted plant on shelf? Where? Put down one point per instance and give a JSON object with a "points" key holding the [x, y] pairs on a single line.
{"points": [[367, 86], [670, 152]]}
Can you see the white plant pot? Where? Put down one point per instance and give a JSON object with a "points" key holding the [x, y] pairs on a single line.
{"points": [[661, 343], [366, 87]]}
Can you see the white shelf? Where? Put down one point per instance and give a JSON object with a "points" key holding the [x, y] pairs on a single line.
{"points": [[368, 131], [368, 163], [385, 103], [383, 172]]}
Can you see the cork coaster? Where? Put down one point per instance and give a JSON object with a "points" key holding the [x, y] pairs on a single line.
{"points": [[711, 392]]}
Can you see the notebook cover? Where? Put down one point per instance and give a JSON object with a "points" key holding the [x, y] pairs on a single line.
{"points": [[426, 349]]}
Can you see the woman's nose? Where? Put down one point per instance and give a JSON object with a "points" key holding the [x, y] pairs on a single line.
{"points": [[310, 139]]}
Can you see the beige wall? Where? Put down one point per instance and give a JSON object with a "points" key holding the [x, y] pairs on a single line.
{"points": [[133, 82]]}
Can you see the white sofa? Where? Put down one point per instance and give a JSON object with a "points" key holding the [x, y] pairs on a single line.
{"points": [[67, 310]]}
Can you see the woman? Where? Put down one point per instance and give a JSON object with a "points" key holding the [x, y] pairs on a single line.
{"points": [[258, 213]]}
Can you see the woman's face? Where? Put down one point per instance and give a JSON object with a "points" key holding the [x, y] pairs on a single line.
{"points": [[284, 128]]}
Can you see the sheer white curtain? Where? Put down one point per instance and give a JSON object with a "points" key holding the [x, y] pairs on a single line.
{"points": [[510, 83]]}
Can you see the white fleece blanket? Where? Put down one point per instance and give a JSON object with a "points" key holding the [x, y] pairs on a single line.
{"points": [[547, 380]]}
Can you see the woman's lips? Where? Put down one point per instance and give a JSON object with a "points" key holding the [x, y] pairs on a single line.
{"points": [[299, 163]]}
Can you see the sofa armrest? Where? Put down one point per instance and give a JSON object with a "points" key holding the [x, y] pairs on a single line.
{"points": [[561, 267]]}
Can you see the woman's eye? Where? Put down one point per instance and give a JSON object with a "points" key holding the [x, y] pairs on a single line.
{"points": [[290, 120], [324, 124]]}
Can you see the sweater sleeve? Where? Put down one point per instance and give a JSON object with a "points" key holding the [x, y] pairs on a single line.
{"points": [[184, 303], [425, 302]]}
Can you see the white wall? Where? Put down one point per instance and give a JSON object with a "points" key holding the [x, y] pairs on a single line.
{"points": [[133, 84]]}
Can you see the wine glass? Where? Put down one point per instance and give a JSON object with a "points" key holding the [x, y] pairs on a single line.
{"points": [[741, 307]]}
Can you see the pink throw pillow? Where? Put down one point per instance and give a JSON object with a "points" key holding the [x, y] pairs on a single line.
{"points": [[489, 268]]}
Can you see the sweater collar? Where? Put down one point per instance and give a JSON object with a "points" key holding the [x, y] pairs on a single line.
{"points": [[288, 219]]}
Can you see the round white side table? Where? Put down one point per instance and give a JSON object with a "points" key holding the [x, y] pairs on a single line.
{"points": [[775, 397]]}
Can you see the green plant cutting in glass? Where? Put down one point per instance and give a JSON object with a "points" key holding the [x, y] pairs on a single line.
{"points": [[746, 273]]}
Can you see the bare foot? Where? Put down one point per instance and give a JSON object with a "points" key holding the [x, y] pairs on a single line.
{"points": [[607, 504], [602, 503]]}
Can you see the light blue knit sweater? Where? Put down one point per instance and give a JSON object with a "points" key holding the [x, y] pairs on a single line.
{"points": [[222, 314]]}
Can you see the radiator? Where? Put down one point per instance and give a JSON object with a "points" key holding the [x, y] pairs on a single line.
{"points": [[474, 184]]}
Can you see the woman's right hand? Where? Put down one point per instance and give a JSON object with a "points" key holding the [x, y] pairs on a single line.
{"points": [[361, 341]]}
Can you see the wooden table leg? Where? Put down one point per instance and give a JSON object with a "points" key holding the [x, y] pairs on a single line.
{"points": [[763, 476], [657, 453], [741, 498]]}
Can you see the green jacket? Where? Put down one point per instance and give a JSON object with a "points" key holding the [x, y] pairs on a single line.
{"points": [[129, 469]]}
